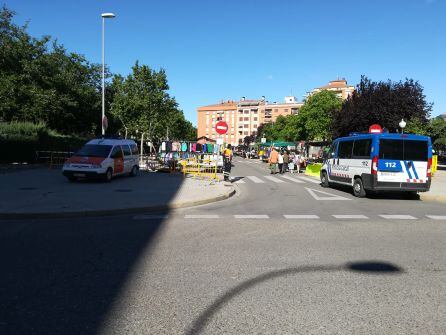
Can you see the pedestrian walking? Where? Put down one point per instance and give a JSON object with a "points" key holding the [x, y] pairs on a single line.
{"points": [[280, 162], [286, 161], [273, 159], [297, 161], [227, 159], [291, 163]]}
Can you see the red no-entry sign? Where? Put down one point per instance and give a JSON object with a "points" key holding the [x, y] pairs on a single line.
{"points": [[221, 127]]}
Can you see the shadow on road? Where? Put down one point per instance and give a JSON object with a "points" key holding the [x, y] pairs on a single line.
{"points": [[61, 276], [388, 195], [373, 267]]}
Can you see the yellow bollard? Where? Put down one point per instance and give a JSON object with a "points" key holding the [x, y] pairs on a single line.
{"points": [[434, 163]]}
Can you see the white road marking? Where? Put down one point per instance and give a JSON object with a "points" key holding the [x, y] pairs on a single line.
{"points": [[292, 216], [255, 179], [238, 181], [311, 180], [274, 179], [437, 217], [293, 179], [251, 216], [327, 196], [348, 216], [201, 216], [150, 217], [398, 217]]}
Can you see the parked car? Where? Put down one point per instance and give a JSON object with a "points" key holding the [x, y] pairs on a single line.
{"points": [[103, 158]]}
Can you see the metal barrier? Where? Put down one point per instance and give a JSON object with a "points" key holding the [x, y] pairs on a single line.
{"points": [[53, 159], [203, 169]]}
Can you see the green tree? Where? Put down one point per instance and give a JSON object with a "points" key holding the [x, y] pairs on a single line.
{"points": [[415, 126], [142, 102], [437, 131], [316, 115], [384, 103], [41, 82]]}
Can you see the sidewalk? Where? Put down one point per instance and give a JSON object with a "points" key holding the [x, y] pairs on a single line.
{"points": [[46, 193], [438, 188]]}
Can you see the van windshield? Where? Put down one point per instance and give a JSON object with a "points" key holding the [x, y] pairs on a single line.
{"points": [[409, 150], [94, 150]]}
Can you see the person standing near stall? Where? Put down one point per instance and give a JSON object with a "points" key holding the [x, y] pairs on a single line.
{"points": [[227, 158], [273, 159], [280, 162]]}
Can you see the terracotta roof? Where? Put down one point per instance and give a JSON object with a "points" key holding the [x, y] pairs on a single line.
{"points": [[226, 105], [342, 83]]}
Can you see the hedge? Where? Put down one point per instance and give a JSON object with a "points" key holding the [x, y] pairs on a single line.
{"points": [[20, 141]]}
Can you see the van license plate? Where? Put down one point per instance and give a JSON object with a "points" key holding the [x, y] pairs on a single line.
{"points": [[389, 174], [79, 174]]}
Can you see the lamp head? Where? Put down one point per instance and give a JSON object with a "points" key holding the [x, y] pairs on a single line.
{"points": [[402, 123], [108, 15]]}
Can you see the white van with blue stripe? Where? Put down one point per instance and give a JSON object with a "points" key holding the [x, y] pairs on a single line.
{"points": [[379, 162]]}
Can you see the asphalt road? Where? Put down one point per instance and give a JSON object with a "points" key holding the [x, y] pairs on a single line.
{"points": [[280, 257]]}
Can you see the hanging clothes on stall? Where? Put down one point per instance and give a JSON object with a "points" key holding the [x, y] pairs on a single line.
{"points": [[210, 148]]}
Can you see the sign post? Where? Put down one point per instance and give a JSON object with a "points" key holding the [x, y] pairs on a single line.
{"points": [[105, 124]]}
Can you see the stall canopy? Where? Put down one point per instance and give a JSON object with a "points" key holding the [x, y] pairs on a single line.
{"points": [[278, 144]]}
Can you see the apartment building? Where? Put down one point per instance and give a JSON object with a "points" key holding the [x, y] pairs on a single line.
{"points": [[339, 86], [271, 111], [243, 117]]}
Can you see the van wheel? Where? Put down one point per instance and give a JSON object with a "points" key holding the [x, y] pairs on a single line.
{"points": [[358, 188], [108, 175], [134, 171], [324, 179], [412, 195]]}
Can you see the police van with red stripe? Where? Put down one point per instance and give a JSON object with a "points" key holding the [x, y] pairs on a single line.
{"points": [[379, 162]]}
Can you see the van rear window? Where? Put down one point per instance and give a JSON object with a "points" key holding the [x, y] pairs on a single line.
{"points": [[94, 150], [408, 150]]}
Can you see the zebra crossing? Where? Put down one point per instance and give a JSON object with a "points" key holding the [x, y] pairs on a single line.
{"points": [[277, 179]]}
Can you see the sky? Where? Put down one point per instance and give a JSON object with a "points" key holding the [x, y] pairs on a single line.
{"points": [[221, 50]]}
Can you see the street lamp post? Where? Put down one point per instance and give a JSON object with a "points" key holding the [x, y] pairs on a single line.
{"points": [[402, 125], [104, 16]]}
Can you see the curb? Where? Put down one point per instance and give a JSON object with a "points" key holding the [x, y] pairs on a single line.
{"points": [[135, 210]]}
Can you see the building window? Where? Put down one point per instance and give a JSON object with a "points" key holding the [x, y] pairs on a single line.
{"points": [[246, 119], [276, 110], [246, 111], [254, 126], [286, 110], [246, 133], [255, 111], [246, 126], [255, 119], [240, 119]]}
